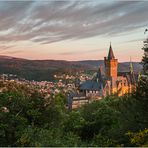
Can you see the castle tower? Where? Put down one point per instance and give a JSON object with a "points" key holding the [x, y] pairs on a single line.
{"points": [[111, 64]]}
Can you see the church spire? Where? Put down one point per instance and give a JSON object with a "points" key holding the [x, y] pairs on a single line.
{"points": [[100, 79], [131, 66], [110, 53], [132, 72], [99, 74]]}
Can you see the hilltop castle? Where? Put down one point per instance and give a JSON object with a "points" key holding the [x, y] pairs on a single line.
{"points": [[102, 85]]}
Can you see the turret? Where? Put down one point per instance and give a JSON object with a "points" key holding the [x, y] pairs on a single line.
{"points": [[100, 80]]}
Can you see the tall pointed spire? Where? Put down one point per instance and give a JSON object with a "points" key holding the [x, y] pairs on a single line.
{"points": [[139, 76], [132, 72], [131, 66], [99, 74], [100, 79], [110, 53]]}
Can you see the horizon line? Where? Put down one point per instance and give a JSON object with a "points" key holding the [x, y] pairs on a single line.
{"points": [[62, 59]]}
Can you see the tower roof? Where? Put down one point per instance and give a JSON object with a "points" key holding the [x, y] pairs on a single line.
{"points": [[110, 53]]}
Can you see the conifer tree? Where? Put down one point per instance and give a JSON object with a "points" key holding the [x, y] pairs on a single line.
{"points": [[145, 57], [142, 89], [143, 83]]}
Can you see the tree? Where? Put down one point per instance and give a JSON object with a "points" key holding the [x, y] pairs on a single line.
{"points": [[141, 94], [23, 107], [139, 139], [145, 57]]}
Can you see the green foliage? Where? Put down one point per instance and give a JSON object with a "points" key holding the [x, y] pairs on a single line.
{"points": [[139, 138], [28, 119], [100, 118], [74, 122], [22, 107], [141, 95], [103, 141], [145, 57]]}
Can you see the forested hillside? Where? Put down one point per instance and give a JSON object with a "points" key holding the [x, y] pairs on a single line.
{"points": [[45, 69]]}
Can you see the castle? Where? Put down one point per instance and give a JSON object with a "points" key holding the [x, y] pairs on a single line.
{"points": [[102, 85]]}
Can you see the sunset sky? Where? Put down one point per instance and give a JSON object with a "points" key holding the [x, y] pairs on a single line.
{"points": [[73, 29]]}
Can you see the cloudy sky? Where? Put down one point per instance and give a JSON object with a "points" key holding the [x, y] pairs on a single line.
{"points": [[73, 29]]}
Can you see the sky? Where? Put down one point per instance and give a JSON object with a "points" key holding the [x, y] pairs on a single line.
{"points": [[73, 29]]}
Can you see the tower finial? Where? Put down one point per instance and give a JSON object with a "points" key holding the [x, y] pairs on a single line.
{"points": [[111, 54]]}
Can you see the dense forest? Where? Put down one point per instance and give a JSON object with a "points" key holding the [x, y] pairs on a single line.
{"points": [[27, 118]]}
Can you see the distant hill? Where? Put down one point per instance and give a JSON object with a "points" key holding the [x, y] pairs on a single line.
{"points": [[45, 69], [122, 67], [92, 63], [37, 69]]}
